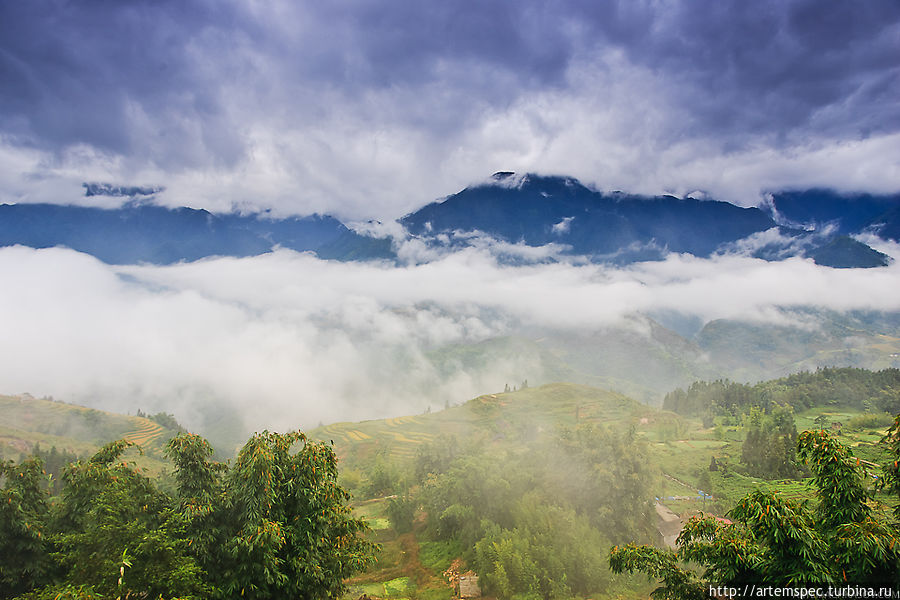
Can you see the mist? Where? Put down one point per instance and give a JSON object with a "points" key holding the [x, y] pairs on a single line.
{"points": [[286, 340]]}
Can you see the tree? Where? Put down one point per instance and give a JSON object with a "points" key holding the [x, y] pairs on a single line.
{"points": [[115, 532], [771, 444], [782, 542], [23, 515], [402, 511], [274, 525]]}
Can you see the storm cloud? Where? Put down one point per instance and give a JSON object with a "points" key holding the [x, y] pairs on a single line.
{"points": [[363, 109]]}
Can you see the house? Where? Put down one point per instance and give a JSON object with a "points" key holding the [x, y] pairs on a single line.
{"points": [[468, 586]]}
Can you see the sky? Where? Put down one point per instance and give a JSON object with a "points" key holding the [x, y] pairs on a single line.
{"points": [[370, 110]]}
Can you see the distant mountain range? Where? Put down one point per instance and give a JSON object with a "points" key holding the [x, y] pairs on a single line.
{"points": [[527, 209], [148, 233], [622, 228]]}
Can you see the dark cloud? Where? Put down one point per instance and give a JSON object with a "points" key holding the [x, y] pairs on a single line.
{"points": [[777, 66], [77, 72], [305, 92]]}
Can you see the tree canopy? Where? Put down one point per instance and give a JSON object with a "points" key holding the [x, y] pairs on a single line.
{"points": [[275, 524], [844, 537]]}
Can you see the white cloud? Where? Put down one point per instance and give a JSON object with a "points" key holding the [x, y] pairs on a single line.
{"points": [[563, 226], [291, 340]]}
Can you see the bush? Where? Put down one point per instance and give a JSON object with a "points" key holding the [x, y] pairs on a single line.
{"points": [[401, 511], [869, 421]]}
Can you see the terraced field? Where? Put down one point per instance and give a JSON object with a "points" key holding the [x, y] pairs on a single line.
{"points": [[146, 432], [27, 421], [489, 418]]}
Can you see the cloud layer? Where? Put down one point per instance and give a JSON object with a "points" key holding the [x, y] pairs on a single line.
{"points": [[365, 110], [288, 340]]}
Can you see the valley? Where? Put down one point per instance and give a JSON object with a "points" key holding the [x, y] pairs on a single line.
{"points": [[503, 456]]}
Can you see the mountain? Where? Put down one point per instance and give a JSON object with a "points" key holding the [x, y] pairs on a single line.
{"points": [[847, 214], [622, 228], [644, 358], [534, 210], [154, 234]]}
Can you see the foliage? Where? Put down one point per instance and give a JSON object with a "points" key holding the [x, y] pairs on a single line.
{"points": [[538, 519], [781, 542], [54, 462], [874, 391], [23, 515], [167, 420], [677, 582], [274, 525], [552, 552], [65, 591], [870, 421], [111, 514], [401, 511], [890, 479], [384, 478], [436, 457], [770, 447]]}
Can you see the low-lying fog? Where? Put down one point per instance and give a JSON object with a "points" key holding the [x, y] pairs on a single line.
{"points": [[290, 341]]}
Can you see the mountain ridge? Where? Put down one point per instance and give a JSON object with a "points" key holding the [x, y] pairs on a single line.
{"points": [[534, 210], [619, 227]]}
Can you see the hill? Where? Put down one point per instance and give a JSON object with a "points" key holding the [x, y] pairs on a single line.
{"points": [[492, 419], [77, 430], [644, 358]]}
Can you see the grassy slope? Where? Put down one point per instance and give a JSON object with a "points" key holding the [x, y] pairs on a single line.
{"points": [[27, 421], [411, 565], [491, 418]]}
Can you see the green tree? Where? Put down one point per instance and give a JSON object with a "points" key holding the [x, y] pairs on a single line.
{"points": [[23, 516], [114, 532], [777, 541], [276, 525], [550, 553], [771, 444], [402, 511]]}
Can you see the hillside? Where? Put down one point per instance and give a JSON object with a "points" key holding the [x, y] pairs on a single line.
{"points": [[518, 460], [75, 429], [644, 358], [493, 419]]}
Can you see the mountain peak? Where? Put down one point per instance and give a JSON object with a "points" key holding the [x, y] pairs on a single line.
{"points": [[532, 181]]}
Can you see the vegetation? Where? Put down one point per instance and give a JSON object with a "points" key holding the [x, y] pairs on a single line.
{"points": [[164, 419], [785, 542], [31, 425], [53, 461], [273, 525], [872, 391], [536, 520], [526, 488], [771, 445]]}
